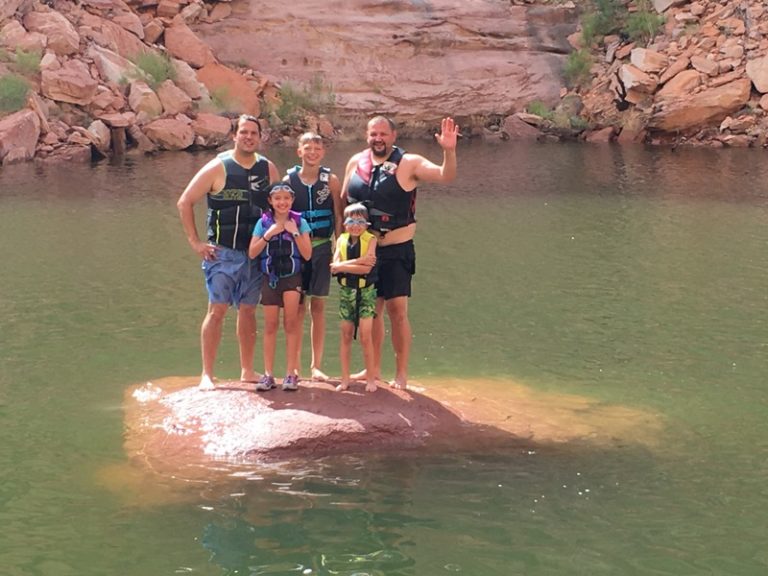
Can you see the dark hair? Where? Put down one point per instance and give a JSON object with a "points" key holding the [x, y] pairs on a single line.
{"points": [[377, 119], [249, 118]]}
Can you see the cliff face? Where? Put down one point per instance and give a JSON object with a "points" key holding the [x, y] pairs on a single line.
{"points": [[414, 59]]}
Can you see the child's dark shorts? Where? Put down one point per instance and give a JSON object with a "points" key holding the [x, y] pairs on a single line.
{"points": [[274, 296]]}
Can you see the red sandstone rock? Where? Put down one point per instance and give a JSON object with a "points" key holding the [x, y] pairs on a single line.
{"points": [[13, 36], [71, 83], [231, 86], [62, 36], [170, 134], [680, 86], [183, 44], [142, 99], [18, 136], [173, 98], [213, 130]]}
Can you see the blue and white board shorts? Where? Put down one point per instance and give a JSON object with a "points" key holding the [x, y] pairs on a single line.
{"points": [[233, 278]]}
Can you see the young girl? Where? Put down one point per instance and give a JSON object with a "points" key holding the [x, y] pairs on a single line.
{"points": [[280, 239], [353, 263]]}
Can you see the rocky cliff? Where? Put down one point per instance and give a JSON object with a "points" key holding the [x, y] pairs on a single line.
{"points": [[84, 78]]}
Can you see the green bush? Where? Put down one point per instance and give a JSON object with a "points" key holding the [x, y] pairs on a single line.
{"points": [[222, 100], [540, 109], [577, 67], [13, 93], [156, 68], [601, 18], [643, 24], [27, 63]]}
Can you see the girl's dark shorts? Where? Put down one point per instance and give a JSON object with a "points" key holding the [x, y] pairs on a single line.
{"points": [[274, 296]]}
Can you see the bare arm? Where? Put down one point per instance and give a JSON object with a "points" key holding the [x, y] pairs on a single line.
{"points": [[207, 179], [419, 169], [274, 173], [338, 210], [351, 165], [362, 265]]}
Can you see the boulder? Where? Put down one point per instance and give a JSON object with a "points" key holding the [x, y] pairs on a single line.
{"points": [[170, 134], [515, 128], [13, 36], [153, 30], [231, 86], [680, 86], [705, 65], [8, 8], [19, 133], [711, 105], [62, 37], [663, 5], [212, 129], [648, 60], [602, 136], [142, 99], [173, 98], [183, 44], [71, 83], [757, 71], [637, 80], [674, 69], [130, 22], [102, 136], [111, 66], [186, 79]]}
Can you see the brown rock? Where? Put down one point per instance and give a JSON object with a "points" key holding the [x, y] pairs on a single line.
{"points": [[70, 154], [231, 86], [39, 107], [219, 12], [102, 136], [624, 51], [142, 99], [153, 30], [674, 69], [663, 5], [634, 78], [71, 83], [118, 120], [602, 136], [173, 98], [13, 36], [111, 66], [708, 106], [49, 61], [8, 8], [62, 36], [183, 44], [18, 136], [515, 128], [130, 22], [213, 130], [757, 71], [114, 37], [186, 79], [648, 60], [733, 26], [705, 65], [168, 8], [193, 12], [680, 86], [631, 136], [170, 134], [764, 102]]}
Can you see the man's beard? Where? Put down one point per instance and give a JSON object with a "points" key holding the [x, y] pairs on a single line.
{"points": [[381, 154]]}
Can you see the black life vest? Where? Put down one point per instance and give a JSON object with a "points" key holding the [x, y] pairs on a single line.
{"points": [[314, 201], [235, 209], [389, 205]]}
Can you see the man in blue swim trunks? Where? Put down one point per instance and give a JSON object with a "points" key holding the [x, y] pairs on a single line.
{"points": [[236, 187]]}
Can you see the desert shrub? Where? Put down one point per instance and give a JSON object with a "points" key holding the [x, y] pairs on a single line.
{"points": [[13, 93], [601, 17], [643, 24], [155, 67], [296, 101], [577, 67], [27, 63], [540, 109]]}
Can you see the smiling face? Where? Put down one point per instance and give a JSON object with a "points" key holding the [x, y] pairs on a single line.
{"points": [[247, 137], [281, 201], [355, 224], [311, 152], [380, 137]]}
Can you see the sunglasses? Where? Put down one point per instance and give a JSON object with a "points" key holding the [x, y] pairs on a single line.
{"points": [[355, 221], [281, 188]]}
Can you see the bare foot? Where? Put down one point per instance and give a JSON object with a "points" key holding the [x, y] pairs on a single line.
{"points": [[206, 383], [249, 376], [398, 385], [319, 376], [343, 386], [371, 387]]}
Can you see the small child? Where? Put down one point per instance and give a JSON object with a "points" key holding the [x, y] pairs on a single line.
{"points": [[353, 264], [280, 239]]}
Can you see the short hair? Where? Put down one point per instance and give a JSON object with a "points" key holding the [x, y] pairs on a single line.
{"points": [[249, 118], [377, 119], [356, 209], [310, 137]]}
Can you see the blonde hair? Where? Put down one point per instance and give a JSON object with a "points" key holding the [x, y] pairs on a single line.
{"points": [[310, 137]]}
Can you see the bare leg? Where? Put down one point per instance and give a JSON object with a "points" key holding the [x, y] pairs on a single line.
{"points": [[271, 322], [366, 340], [246, 338], [345, 352], [210, 337], [317, 337], [377, 334], [300, 319], [397, 310], [291, 327]]}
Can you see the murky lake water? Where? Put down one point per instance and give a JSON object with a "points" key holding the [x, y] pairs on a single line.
{"points": [[634, 278]]}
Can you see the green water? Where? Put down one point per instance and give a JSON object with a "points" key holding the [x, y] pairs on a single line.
{"points": [[630, 276]]}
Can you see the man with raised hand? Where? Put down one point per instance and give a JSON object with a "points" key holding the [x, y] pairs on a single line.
{"points": [[385, 179]]}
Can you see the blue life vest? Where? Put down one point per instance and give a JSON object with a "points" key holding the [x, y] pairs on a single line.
{"points": [[314, 201]]}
